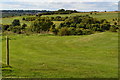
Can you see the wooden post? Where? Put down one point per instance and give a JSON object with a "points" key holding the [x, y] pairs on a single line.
{"points": [[7, 50]]}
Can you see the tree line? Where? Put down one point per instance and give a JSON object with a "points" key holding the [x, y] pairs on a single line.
{"points": [[11, 13]]}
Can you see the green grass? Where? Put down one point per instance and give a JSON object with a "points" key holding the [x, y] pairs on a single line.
{"points": [[87, 56]]}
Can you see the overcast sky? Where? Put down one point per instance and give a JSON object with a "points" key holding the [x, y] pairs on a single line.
{"points": [[80, 5]]}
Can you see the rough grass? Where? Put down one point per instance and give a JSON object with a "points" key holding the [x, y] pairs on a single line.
{"points": [[108, 16], [9, 20], [88, 56]]}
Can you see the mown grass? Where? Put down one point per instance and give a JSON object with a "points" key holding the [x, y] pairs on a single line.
{"points": [[87, 56]]}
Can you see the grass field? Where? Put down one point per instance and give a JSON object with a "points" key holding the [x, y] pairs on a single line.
{"points": [[47, 56]]}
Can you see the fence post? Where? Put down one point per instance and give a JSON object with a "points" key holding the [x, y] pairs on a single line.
{"points": [[7, 50]]}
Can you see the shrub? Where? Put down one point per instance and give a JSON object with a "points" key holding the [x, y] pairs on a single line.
{"points": [[115, 23], [5, 27], [87, 31], [71, 31], [42, 25], [16, 29], [63, 31], [79, 31], [91, 13], [16, 22], [87, 23], [23, 18], [113, 29], [24, 26]]}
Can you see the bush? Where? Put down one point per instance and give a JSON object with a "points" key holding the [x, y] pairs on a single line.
{"points": [[91, 13], [23, 18], [113, 29], [54, 30], [24, 26], [87, 32], [71, 31], [79, 31], [41, 25], [87, 23], [115, 23], [16, 29], [5, 27], [63, 31], [16, 22], [105, 26]]}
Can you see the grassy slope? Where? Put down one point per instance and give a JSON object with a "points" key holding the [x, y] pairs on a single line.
{"points": [[68, 56]]}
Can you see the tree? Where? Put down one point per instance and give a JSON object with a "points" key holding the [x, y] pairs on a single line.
{"points": [[61, 10], [16, 22]]}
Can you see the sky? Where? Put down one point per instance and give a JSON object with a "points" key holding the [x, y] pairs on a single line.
{"points": [[79, 5]]}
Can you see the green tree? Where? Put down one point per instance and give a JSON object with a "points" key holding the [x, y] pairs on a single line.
{"points": [[16, 22], [61, 10]]}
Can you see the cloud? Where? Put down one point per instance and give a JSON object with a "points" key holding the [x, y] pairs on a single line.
{"points": [[80, 6], [60, 1]]}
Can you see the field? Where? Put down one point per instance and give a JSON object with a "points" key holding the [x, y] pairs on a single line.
{"points": [[47, 56], [50, 56]]}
